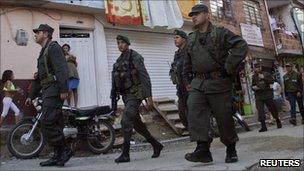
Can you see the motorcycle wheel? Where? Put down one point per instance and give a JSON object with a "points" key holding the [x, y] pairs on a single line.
{"points": [[244, 125], [102, 137], [19, 146]]}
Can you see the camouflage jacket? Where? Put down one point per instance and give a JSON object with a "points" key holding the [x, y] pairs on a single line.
{"points": [[264, 84], [293, 82], [137, 80], [54, 63], [177, 67], [215, 50]]}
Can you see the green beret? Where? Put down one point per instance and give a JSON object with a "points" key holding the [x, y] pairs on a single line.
{"points": [[123, 38], [180, 33]]}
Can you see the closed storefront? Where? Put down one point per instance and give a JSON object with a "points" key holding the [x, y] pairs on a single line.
{"points": [[157, 50]]}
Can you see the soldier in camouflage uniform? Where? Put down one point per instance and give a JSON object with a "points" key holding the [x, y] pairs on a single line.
{"points": [[180, 40], [262, 87], [131, 80], [214, 55], [52, 80], [293, 91]]}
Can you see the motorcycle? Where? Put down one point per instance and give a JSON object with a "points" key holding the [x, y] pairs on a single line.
{"points": [[26, 140], [237, 117]]}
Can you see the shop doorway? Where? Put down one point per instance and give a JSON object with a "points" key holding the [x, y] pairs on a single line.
{"points": [[81, 43]]}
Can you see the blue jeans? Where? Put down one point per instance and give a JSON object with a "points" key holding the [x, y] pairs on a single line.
{"points": [[293, 98]]}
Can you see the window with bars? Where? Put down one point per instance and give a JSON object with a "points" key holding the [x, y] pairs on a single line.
{"points": [[252, 13], [216, 7], [221, 9]]}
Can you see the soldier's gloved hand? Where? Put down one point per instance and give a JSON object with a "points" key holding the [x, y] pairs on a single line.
{"points": [[64, 96], [28, 101]]}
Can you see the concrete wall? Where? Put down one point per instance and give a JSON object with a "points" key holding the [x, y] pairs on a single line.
{"points": [[22, 59]]}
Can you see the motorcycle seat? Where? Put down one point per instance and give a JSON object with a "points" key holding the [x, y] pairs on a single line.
{"points": [[92, 111]]}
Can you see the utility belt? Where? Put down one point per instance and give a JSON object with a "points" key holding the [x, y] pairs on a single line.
{"points": [[127, 91], [136, 90], [211, 75], [48, 80]]}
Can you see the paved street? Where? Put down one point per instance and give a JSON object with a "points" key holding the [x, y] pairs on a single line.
{"points": [[285, 143]]}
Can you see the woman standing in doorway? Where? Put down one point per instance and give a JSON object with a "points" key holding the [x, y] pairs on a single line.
{"points": [[73, 74]]}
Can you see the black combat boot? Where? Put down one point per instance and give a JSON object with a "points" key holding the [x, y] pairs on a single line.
{"points": [[54, 159], [66, 153], [197, 145], [279, 124], [157, 147], [125, 155], [293, 121], [263, 126], [231, 155], [201, 153]]}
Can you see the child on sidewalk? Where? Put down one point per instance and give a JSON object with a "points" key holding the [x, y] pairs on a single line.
{"points": [[9, 91]]}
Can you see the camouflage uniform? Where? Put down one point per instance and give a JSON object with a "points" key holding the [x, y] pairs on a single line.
{"points": [[131, 80], [212, 85], [293, 85], [213, 57], [182, 92], [51, 85], [264, 96]]}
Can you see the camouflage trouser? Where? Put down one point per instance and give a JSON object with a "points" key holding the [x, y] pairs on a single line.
{"points": [[200, 106], [52, 120], [182, 109], [260, 104], [131, 118]]}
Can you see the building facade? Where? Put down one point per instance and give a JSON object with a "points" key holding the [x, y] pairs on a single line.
{"points": [[248, 18], [287, 24], [93, 42]]}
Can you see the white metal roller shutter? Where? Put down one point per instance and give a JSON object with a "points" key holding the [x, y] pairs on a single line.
{"points": [[157, 50]]}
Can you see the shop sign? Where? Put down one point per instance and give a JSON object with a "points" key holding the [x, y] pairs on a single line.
{"points": [[252, 34]]}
